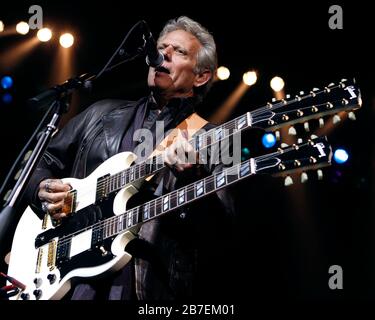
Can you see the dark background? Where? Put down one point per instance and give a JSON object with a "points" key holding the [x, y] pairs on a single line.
{"points": [[289, 236]]}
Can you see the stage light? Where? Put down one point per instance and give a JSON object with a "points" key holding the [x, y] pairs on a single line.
{"points": [[22, 27], [1, 26], [268, 140], [245, 153], [7, 98], [6, 82], [249, 78], [277, 84], [341, 156], [66, 40], [44, 34], [223, 73]]}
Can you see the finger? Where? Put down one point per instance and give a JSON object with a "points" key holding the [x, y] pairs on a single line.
{"points": [[55, 207], [58, 215], [55, 185], [52, 197]]}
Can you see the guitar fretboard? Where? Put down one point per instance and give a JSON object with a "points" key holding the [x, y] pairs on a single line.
{"points": [[112, 183]]}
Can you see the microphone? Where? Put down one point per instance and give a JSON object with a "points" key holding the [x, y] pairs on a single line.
{"points": [[154, 58]]}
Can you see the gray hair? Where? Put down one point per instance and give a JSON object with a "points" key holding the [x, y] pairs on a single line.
{"points": [[206, 57]]}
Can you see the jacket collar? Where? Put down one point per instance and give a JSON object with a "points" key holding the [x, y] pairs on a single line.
{"points": [[116, 123]]}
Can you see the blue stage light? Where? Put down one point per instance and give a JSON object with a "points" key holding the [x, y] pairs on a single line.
{"points": [[269, 140], [341, 156], [6, 82]]}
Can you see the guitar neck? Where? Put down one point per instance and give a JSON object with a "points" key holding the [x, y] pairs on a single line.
{"points": [[312, 154], [344, 96], [115, 182]]}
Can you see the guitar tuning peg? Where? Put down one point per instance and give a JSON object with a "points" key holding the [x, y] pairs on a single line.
{"points": [[313, 136], [288, 96], [301, 93], [304, 177], [284, 145], [273, 99], [277, 135], [288, 181], [320, 174], [331, 84], [352, 116], [306, 126], [336, 119], [299, 140], [321, 122], [344, 80], [292, 131], [315, 89]]}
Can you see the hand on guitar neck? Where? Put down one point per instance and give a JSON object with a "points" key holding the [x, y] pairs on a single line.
{"points": [[52, 194]]}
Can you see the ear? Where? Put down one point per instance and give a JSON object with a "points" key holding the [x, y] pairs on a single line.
{"points": [[202, 78]]}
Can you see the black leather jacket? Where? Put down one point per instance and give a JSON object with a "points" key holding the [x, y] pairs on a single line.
{"points": [[185, 250]]}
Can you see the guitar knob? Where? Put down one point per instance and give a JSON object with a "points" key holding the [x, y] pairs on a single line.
{"points": [[288, 181], [336, 119], [292, 131], [306, 126], [351, 116], [52, 278], [25, 296], [37, 293], [38, 282], [304, 177], [320, 174], [277, 134], [321, 122]]}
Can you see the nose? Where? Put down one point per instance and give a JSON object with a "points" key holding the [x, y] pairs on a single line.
{"points": [[167, 52]]}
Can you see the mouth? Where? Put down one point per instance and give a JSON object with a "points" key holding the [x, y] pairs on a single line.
{"points": [[162, 69]]}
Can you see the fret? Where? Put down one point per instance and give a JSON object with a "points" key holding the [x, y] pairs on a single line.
{"points": [[244, 169], [112, 229], [173, 200], [106, 229], [219, 134], [146, 211], [199, 188], [152, 208], [232, 175], [209, 185], [120, 222], [131, 178], [135, 215], [241, 122], [199, 142], [115, 226], [123, 183], [181, 196], [166, 203], [220, 179], [158, 206], [137, 172], [190, 195], [129, 219]]}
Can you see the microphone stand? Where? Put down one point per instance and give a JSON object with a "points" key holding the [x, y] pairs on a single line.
{"points": [[55, 97]]}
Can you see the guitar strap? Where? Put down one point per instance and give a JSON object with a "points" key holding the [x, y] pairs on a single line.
{"points": [[190, 126]]}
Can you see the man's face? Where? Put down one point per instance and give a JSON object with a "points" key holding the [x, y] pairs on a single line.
{"points": [[176, 78]]}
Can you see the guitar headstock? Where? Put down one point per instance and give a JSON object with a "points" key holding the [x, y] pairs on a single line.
{"points": [[332, 99], [312, 154]]}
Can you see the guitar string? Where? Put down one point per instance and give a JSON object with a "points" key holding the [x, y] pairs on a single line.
{"points": [[234, 170], [112, 179]]}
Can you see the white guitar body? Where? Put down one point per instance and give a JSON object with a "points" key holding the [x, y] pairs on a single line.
{"points": [[36, 266]]}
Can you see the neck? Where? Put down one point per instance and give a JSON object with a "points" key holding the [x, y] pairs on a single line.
{"points": [[162, 99]]}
